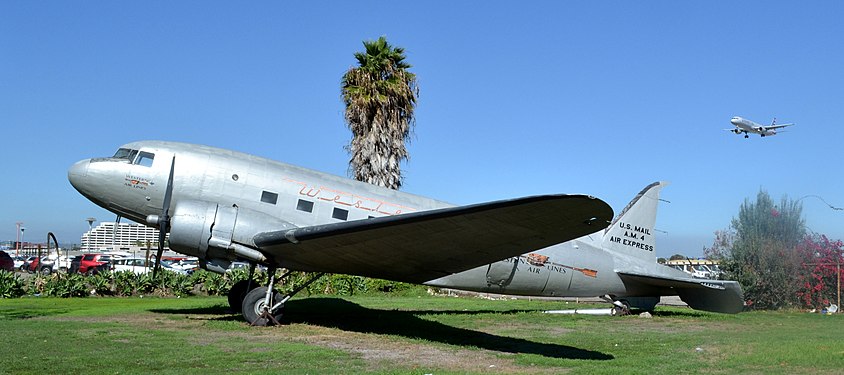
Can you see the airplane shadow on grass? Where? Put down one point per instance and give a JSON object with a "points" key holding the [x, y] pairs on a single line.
{"points": [[348, 316]]}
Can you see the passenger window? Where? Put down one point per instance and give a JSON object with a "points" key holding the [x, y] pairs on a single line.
{"points": [[304, 205], [340, 214], [145, 159], [268, 197]]}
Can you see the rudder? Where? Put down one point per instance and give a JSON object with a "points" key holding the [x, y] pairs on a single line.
{"points": [[632, 231]]}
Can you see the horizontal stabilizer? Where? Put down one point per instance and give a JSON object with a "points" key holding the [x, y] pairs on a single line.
{"points": [[421, 246], [700, 294]]}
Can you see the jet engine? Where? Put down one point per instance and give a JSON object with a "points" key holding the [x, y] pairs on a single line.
{"points": [[218, 234]]}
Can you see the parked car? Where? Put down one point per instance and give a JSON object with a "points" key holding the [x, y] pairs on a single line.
{"points": [[6, 262], [92, 264], [19, 261], [139, 266], [32, 266], [25, 265], [190, 264], [74, 264], [53, 263], [169, 266]]}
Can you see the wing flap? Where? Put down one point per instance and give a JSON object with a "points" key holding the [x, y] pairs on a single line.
{"points": [[700, 294], [422, 246]]}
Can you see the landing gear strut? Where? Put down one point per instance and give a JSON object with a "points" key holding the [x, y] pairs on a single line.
{"points": [[619, 306], [263, 306]]}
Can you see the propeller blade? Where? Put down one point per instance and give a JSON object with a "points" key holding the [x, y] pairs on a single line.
{"points": [[158, 255], [164, 220], [168, 193]]}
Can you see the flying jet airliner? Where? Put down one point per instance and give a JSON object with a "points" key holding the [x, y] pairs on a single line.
{"points": [[221, 205], [743, 125]]}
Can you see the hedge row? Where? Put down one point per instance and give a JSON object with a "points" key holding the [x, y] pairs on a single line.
{"points": [[171, 284]]}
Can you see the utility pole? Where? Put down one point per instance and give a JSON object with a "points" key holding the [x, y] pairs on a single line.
{"points": [[22, 229], [90, 221], [18, 244]]}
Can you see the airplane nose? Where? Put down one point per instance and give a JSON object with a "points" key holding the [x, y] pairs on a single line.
{"points": [[77, 173]]}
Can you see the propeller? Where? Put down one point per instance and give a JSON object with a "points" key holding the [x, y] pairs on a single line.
{"points": [[163, 220]]}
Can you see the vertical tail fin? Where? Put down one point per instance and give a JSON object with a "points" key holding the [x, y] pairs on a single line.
{"points": [[632, 231]]}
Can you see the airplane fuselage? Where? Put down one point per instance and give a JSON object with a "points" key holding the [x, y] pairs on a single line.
{"points": [[266, 188], [270, 190], [577, 268]]}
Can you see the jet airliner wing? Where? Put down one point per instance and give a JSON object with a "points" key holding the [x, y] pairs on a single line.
{"points": [[421, 246], [772, 127]]}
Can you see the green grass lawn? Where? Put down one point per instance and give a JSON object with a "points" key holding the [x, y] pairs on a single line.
{"points": [[416, 334]]}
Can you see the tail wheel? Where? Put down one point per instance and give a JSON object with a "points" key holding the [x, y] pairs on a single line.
{"points": [[256, 311], [621, 307]]}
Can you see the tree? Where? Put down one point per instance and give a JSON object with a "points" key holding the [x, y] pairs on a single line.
{"points": [[678, 257], [721, 247], [818, 278], [380, 97], [762, 257]]}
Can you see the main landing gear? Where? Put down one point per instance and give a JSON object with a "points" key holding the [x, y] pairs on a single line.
{"points": [[262, 305]]}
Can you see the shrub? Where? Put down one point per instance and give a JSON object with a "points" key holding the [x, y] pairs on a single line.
{"points": [[11, 285], [101, 283], [66, 285]]}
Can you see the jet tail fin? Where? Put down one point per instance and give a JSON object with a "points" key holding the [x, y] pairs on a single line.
{"points": [[632, 231]]}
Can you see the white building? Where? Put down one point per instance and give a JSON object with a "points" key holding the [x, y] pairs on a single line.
{"points": [[127, 237]]}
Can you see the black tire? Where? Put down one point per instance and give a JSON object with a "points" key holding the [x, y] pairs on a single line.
{"points": [[237, 293], [624, 309], [253, 305], [46, 270]]}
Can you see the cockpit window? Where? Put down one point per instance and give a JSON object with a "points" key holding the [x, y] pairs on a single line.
{"points": [[125, 153], [145, 159]]}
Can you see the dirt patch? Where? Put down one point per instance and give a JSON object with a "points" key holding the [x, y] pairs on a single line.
{"points": [[383, 352], [380, 352]]}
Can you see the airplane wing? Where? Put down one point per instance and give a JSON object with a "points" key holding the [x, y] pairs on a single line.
{"points": [[421, 246], [772, 127], [700, 294]]}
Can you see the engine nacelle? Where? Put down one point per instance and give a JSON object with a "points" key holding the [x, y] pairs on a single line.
{"points": [[219, 234]]}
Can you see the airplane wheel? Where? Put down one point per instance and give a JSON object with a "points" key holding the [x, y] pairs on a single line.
{"points": [[253, 307], [237, 293], [624, 309]]}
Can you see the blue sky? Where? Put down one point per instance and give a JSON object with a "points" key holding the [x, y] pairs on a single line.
{"points": [[516, 99]]}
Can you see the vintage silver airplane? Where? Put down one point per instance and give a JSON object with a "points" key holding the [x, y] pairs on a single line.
{"points": [[221, 205], [743, 125]]}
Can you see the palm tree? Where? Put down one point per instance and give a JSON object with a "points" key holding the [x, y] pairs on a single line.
{"points": [[380, 96]]}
